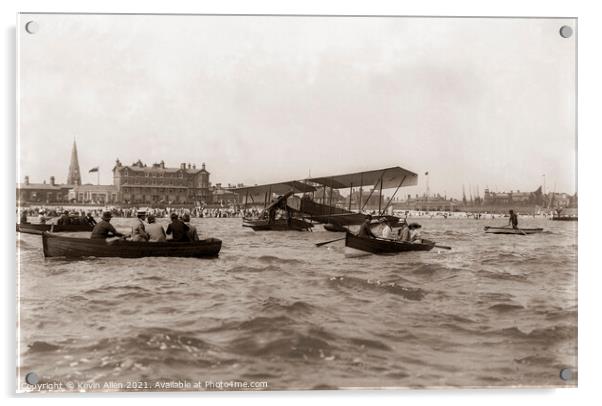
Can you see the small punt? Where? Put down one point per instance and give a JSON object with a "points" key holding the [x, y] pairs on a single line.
{"points": [[382, 246], [508, 230], [70, 247]]}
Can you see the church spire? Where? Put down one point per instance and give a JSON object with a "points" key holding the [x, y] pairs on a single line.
{"points": [[74, 177]]}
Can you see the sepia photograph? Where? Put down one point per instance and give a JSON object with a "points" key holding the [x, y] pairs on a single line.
{"points": [[295, 202]]}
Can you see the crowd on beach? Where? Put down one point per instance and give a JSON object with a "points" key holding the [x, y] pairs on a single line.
{"points": [[195, 212], [48, 213]]}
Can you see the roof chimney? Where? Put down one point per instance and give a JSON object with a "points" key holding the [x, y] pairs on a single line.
{"points": [[193, 166], [27, 180], [183, 165], [52, 180], [189, 166], [203, 166]]}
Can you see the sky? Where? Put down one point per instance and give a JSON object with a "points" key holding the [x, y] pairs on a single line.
{"points": [[473, 102]]}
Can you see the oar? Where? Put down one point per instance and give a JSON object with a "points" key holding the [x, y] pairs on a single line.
{"points": [[111, 240], [445, 247], [328, 242], [521, 231]]}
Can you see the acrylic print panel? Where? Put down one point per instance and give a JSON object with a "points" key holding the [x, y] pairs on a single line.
{"points": [[262, 144]]}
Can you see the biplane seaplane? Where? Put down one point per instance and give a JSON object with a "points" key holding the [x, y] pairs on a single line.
{"points": [[299, 204]]}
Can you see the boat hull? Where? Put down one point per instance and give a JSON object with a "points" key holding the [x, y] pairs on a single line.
{"points": [[564, 218], [70, 247], [507, 230], [277, 225], [334, 227], [57, 228], [382, 246]]}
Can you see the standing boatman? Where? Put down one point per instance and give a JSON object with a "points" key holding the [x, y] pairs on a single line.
{"points": [[513, 221]]}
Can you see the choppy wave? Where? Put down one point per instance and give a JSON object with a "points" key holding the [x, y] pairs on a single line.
{"points": [[493, 311]]}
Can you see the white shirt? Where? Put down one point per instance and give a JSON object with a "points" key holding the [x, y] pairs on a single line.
{"points": [[155, 232], [415, 235], [387, 231]]}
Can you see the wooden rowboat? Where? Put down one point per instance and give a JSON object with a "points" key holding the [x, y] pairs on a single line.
{"points": [[565, 218], [57, 228], [277, 225], [70, 247], [383, 246], [335, 227], [508, 230]]}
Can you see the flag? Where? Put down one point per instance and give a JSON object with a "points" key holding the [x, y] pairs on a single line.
{"points": [[426, 173], [95, 169]]}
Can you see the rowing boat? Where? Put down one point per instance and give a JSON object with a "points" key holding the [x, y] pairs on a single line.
{"points": [[334, 227], [277, 225], [57, 228], [70, 247], [383, 246], [508, 230], [565, 218]]}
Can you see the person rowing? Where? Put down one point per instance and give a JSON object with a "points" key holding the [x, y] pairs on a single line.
{"points": [[105, 229], [365, 230]]}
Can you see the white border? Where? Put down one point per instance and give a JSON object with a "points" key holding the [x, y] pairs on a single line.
{"points": [[590, 71]]}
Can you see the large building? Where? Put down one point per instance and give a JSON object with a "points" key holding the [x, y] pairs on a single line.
{"points": [[93, 194], [160, 185], [426, 203], [41, 193], [516, 198], [138, 184]]}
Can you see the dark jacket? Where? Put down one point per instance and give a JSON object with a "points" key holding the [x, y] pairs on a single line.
{"points": [[514, 220], [365, 230], [178, 230], [64, 220], [104, 229]]}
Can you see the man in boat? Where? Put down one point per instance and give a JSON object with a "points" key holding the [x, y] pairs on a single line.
{"points": [[513, 220], [404, 232], [387, 231], [23, 219], [177, 229], [90, 219], [193, 235], [64, 219], [415, 235], [139, 231], [42, 218], [154, 230], [365, 230], [104, 228]]}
